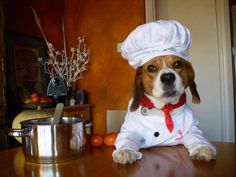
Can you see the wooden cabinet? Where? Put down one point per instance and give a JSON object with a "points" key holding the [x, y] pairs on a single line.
{"points": [[82, 111], [3, 109]]}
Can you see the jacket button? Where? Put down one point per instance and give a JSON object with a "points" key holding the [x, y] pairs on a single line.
{"points": [[156, 134], [144, 111]]}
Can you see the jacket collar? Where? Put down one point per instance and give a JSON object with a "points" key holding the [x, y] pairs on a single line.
{"points": [[167, 109]]}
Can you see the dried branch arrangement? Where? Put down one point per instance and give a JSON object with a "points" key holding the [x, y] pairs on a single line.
{"points": [[69, 68]]}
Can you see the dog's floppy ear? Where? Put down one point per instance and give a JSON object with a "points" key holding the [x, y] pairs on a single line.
{"points": [[192, 85], [138, 90]]}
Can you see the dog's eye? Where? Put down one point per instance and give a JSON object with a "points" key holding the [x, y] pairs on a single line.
{"points": [[151, 68], [177, 65]]}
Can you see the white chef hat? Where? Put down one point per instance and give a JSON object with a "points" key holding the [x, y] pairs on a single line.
{"points": [[162, 37]]}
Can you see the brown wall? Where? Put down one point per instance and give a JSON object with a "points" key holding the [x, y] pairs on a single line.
{"points": [[104, 23], [19, 18]]}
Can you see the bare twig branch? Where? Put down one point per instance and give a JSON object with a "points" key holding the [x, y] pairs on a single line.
{"points": [[58, 63]]}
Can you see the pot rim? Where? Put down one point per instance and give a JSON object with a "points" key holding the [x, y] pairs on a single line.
{"points": [[48, 121]]}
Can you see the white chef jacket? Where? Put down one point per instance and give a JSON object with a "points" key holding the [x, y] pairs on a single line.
{"points": [[144, 128]]}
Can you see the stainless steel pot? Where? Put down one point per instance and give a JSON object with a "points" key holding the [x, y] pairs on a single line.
{"points": [[44, 142]]}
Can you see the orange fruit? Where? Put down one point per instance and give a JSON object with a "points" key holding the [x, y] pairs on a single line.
{"points": [[110, 139], [35, 99], [34, 94], [96, 140]]}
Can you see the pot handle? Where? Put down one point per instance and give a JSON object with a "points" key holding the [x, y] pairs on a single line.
{"points": [[19, 132]]}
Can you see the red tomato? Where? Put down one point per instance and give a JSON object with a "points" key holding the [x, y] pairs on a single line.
{"points": [[96, 140], [49, 99], [43, 99], [110, 139]]}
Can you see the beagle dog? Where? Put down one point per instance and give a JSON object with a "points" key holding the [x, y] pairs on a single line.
{"points": [[158, 114]]}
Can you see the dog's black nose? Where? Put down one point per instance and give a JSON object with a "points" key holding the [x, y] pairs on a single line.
{"points": [[168, 78]]}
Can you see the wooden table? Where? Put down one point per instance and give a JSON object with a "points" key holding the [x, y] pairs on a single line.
{"points": [[97, 162]]}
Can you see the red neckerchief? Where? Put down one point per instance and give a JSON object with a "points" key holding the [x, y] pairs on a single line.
{"points": [[166, 109]]}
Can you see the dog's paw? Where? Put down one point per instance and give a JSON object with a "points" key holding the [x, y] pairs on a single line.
{"points": [[124, 157], [203, 153]]}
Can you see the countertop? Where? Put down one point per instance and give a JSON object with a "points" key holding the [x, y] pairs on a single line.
{"points": [[97, 162]]}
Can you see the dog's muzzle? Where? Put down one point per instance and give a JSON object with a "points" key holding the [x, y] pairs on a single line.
{"points": [[168, 79]]}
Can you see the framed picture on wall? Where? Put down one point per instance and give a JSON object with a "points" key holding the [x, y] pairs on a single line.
{"points": [[22, 65]]}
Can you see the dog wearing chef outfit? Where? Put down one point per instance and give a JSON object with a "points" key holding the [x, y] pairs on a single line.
{"points": [[158, 114]]}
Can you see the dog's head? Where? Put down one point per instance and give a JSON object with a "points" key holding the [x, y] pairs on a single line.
{"points": [[164, 79]]}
